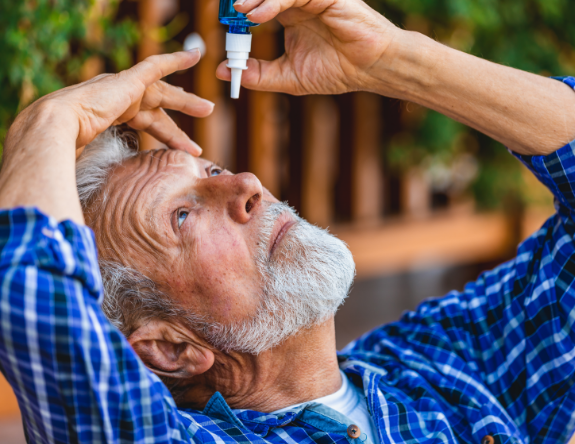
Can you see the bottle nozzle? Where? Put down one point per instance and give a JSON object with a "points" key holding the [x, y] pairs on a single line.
{"points": [[236, 82], [238, 47]]}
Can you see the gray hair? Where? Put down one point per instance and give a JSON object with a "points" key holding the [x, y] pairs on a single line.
{"points": [[95, 163], [303, 285], [130, 297]]}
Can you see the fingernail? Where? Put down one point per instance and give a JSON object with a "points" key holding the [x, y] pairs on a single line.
{"points": [[193, 49], [239, 2], [252, 11], [197, 147]]}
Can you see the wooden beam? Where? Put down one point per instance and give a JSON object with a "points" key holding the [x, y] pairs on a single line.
{"points": [[447, 238], [152, 14], [443, 239], [367, 174], [210, 132], [320, 147], [346, 135], [292, 188], [415, 194], [264, 116], [264, 140]]}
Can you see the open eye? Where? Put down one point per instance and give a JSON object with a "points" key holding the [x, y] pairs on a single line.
{"points": [[182, 217], [215, 170]]}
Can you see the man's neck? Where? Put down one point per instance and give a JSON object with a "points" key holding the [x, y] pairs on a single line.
{"points": [[301, 369]]}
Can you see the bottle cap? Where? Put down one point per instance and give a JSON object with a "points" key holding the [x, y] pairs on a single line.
{"points": [[238, 47]]}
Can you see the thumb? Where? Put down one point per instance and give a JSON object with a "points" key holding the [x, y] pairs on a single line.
{"points": [[261, 75]]}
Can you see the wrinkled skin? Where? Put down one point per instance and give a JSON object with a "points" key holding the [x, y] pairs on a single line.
{"points": [[208, 266]]}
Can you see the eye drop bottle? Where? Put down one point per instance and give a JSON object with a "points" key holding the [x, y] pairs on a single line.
{"points": [[238, 42]]}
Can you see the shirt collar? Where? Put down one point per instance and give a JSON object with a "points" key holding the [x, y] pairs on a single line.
{"points": [[256, 422], [259, 422]]}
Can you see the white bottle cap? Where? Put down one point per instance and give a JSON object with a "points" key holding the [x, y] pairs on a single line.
{"points": [[238, 47]]}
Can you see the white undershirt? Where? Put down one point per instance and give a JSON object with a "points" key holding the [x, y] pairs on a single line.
{"points": [[350, 401]]}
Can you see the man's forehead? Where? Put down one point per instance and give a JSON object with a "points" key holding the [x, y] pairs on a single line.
{"points": [[146, 177], [154, 162], [166, 158]]}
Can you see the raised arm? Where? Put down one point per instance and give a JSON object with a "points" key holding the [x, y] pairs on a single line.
{"points": [[336, 46], [75, 376]]}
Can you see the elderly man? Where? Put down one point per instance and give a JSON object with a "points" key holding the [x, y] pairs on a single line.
{"points": [[211, 284]]}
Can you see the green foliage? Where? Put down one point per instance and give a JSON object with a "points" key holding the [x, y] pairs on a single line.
{"points": [[45, 43], [532, 35]]}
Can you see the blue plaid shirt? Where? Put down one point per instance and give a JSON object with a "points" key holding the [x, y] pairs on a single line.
{"points": [[496, 359]]}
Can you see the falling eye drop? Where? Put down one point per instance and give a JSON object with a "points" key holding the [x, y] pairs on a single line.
{"points": [[238, 42]]}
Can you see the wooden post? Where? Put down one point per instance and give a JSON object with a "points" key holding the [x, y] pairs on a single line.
{"points": [[150, 20], [94, 65], [153, 14], [367, 173], [293, 187], [264, 117], [346, 137], [211, 133], [264, 138], [320, 153], [415, 194]]}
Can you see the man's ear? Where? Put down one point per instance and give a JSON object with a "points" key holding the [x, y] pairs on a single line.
{"points": [[169, 349]]}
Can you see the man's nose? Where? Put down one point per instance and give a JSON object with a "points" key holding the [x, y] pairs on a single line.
{"points": [[244, 194]]}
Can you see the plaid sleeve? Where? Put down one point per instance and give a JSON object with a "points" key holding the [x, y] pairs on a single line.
{"points": [[509, 337], [507, 340], [75, 376]]}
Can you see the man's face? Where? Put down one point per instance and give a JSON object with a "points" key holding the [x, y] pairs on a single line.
{"points": [[220, 245]]}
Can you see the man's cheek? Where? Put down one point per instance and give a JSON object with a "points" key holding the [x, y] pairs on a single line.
{"points": [[228, 285], [225, 255]]}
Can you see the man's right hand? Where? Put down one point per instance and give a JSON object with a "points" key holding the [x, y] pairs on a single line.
{"points": [[331, 46], [39, 153]]}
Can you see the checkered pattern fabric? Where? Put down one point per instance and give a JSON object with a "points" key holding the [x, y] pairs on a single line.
{"points": [[496, 359]]}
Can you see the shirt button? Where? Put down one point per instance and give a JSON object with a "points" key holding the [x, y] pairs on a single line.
{"points": [[354, 432], [487, 439]]}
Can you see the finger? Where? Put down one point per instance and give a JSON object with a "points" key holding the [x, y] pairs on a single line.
{"points": [[160, 126], [164, 95], [269, 9], [246, 6], [261, 75], [156, 67]]}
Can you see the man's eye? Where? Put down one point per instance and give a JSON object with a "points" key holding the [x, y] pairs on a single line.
{"points": [[182, 217], [215, 170]]}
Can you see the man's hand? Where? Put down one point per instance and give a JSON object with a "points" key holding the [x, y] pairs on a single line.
{"points": [[137, 97], [39, 152], [331, 46], [336, 46]]}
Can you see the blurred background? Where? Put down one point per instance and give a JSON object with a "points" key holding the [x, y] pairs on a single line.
{"points": [[424, 203]]}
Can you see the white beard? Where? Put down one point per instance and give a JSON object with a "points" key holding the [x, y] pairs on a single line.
{"points": [[304, 283]]}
